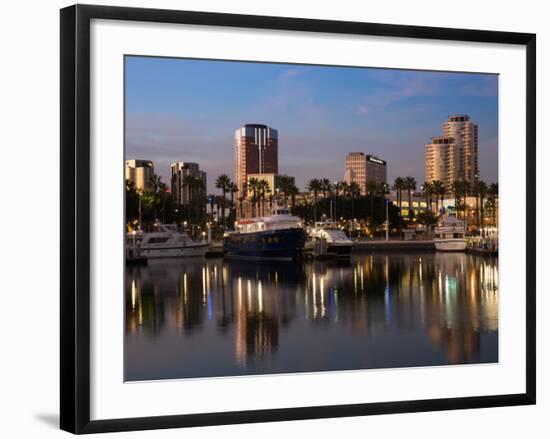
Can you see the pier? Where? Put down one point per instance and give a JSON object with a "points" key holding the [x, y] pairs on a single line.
{"points": [[394, 245]]}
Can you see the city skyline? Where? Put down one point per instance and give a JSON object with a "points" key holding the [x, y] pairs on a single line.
{"points": [[178, 109]]}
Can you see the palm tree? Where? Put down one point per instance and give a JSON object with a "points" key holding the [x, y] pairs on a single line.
{"points": [[439, 191], [480, 192], [492, 200], [314, 186], [285, 184], [292, 192], [211, 202], [263, 190], [338, 187], [223, 182], [409, 184], [353, 191], [460, 189], [427, 189], [371, 187], [233, 189], [253, 185]]}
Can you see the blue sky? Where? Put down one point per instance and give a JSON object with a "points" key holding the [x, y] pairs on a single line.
{"points": [[179, 109]]}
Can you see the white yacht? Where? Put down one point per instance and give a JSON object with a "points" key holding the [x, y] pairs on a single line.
{"points": [[164, 242], [327, 239], [450, 235]]}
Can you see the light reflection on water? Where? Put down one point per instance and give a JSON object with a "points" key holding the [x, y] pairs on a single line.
{"points": [[214, 317]]}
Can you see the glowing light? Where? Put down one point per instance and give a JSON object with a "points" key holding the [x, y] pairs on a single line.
{"points": [[260, 297]]}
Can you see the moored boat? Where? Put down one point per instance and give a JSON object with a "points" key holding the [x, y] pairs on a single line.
{"points": [[277, 236], [164, 242], [326, 239], [450, 235]]}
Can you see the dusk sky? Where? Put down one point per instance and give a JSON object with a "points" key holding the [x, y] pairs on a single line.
{"points": [[178, 109]]}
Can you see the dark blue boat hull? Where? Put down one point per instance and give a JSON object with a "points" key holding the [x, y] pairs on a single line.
{"points": [[272, 244]]}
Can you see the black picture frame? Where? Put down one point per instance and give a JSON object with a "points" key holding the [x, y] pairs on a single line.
{"points": [[75, 217]]}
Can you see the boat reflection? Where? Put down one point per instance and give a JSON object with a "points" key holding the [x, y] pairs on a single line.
{"points": [[189, 318]]}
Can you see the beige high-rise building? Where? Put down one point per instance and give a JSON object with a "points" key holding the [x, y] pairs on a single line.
{"points": [[140, 172], [362, 168], [442, 160], [453, 156], [464, 131]]}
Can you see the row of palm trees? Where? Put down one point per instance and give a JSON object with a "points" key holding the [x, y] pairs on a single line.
{"points": [[259, 193], [486, 196]]}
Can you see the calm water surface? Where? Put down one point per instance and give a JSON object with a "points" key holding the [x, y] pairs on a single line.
{"points": [[215, 317]]}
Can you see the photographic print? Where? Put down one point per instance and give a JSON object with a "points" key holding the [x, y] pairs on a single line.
{"points": [[288, 218]]}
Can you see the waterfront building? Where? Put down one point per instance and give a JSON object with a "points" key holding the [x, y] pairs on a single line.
{"points": [[454, 155], [363, 168], [256, 152], [140, 173], [464, 131], [442, 160], [187, 181], [418, 202]]}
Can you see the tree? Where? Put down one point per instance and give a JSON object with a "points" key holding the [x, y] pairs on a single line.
{"points": [[233, 189], [285, 185], [426, 218], [439, 191], [480, 192], [492, 201], [223, 182], [314, 186], [353, 190], [263, 190], [338, 187], [427, 189], [460, 189], [371, 187], [410, 185], [292, 192], [253, 185]]}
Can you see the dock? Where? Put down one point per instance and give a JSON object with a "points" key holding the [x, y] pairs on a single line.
{"points": [[394, 245]]}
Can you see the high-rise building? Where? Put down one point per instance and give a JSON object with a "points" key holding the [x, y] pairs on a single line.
{"points": [[187, 181], [464, 131], [140, 173], [256, 152], [442, 160], [453, 156], [376, 169], [362, 168]]}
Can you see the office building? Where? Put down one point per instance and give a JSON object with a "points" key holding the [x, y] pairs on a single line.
{"points": [[140, 173], [363, 168], [256, 152]]}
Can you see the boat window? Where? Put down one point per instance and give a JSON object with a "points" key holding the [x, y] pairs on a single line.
{"points": [[157, 240]]}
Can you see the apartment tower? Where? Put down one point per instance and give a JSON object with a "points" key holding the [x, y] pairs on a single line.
{"points": [[454, 156], [140, 173]]}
